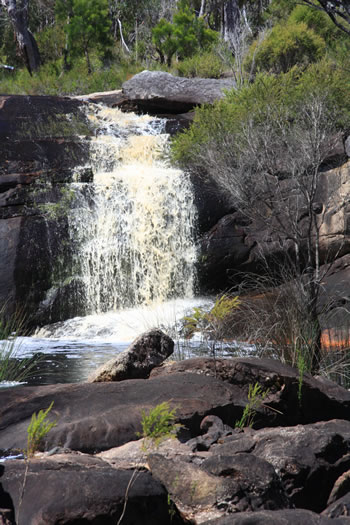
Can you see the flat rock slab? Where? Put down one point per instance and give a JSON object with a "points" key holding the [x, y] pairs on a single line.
{"points": [[72, 488], [92, 417], [159, 91]]}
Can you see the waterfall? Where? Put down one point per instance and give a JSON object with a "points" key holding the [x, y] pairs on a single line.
{"points": [[133, 227]]}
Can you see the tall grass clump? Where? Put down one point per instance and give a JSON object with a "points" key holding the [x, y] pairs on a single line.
{"points": [[13, 367]]}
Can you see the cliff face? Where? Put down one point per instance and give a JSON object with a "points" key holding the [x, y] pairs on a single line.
{"points": [[236, 244], [42, 142]]}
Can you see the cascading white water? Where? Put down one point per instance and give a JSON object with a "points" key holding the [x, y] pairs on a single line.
{"points": [[134, 226]]}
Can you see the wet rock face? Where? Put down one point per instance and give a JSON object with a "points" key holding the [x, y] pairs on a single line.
{"points": [[42, 141]]}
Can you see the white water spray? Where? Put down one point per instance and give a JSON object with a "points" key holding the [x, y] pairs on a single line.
{"points": [[134, 226]]}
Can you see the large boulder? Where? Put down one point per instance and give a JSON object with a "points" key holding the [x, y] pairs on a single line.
{"points": [[146, 352], [240, 483], [157, 91], [72, 488]]}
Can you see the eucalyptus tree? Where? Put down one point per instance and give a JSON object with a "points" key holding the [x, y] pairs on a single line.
{"points": [[18, 12], [87, 25], [337, 10]]}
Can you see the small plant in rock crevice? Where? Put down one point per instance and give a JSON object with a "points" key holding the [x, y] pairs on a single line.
{"points": [[256, 396], [159, 423], [302, 368], [38, 429]]}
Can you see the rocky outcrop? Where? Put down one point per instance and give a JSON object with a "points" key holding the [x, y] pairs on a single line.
{"points": [[98, 416], [235, 244], [148, 351], [211, 473], [160, 92], [72, 488]]}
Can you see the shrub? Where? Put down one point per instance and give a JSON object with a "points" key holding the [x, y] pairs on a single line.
{"points": [[316, 20], [286, 46], [38, 429], [203, 65], [159, 423]]}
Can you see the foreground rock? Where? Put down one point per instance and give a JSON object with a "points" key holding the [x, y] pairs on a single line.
{"points": [[145, 353], [213, 472], [157, 91], [239, 483], [72, 488], [98, 416]]}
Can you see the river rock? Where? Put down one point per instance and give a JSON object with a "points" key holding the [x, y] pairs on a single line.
{"points": [[92, 417], [72, 488], [157, 91], [308, 459], [146, 352], [321, 399], [240, 483], [340, 488]]}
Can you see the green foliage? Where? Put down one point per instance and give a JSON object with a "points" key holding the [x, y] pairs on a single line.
{"points": [[279, 10], [256, 396], [159, 423], [51, 42], [88, 25], [316, 20], [268, 95], [302, 368], [38, 429], [13, 367], [202, 65], [212, 322], [164, 40], [185, 36], [286, 45], [50, 80]]}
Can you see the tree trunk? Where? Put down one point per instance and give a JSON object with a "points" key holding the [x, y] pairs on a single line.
{"points": [[230, 20], [18, 14]]}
